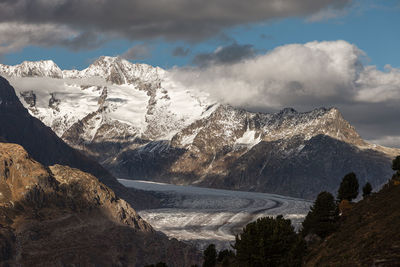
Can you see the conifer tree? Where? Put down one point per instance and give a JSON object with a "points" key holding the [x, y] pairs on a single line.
{"points": [[348, 189], [269, 242], [367, 189], [322, 217], [396, 164], [210, 256]]}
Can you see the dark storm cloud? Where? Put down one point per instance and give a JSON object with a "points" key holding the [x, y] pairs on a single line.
{"points": [[180, 51], [191, 20], [227, 54], [84, 41], [15, 36]]}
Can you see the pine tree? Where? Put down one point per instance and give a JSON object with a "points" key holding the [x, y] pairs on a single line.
{"points": [[396, 164], [396, 167], [367, 189], [348, 189], [224, 254], [225, 257], [210, 256], [269, 242], [322, 217]]}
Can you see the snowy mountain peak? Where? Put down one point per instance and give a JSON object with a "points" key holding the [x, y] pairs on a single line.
{"points": [[43, 68], [108, 62], [330, 122], [105, 63], [45, 64], [118, 71], [115, 70]]}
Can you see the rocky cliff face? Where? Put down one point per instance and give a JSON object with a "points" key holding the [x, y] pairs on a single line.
{"points": [[139, 123], [60, 216]]}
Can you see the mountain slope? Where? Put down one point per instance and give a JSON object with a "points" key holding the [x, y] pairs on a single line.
{"points": [[41, 206], [368, 236], [18, 126], [289, 153], [139, 122]]}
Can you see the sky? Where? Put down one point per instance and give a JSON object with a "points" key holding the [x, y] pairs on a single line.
{"points": [[262, 55]]}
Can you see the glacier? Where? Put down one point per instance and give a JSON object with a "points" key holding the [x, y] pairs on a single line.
{"points": [[202, 216]]}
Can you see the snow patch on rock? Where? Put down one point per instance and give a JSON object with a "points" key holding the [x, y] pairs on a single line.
{"points": [[250, 138]]}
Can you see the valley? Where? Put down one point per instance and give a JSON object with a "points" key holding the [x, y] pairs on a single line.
{"points": [[199, 133]]}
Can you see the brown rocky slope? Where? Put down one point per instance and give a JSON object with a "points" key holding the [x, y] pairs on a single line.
{"points": [[60, 216]]}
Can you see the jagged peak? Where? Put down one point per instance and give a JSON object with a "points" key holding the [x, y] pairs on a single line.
{"points": [[109, 61], [120, 71], [114, 69], [44, 65], [47, 62], [317, 112], [333, 113], [42, 68], [288, 112]]}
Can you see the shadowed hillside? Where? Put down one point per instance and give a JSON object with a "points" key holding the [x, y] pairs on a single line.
{"points": [[368, 236]]}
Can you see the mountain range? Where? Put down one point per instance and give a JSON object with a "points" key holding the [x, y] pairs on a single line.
{"points": [[139, 122]]}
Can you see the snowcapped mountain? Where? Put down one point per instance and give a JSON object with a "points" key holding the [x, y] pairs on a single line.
{"points": [[118, 71], [139, 122], [44, 68], [111, 91]]}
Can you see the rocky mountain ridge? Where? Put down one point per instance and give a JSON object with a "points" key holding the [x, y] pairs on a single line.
{"points": [[139, 122], [113, 69]]}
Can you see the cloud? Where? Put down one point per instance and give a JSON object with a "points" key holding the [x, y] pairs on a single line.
{"points": [[180, 51], [15, 36], [307, 76], [136, 52], [376, 86], [225, 54], [315, 71], [193, 20], [388, 141], [327, 14]]}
